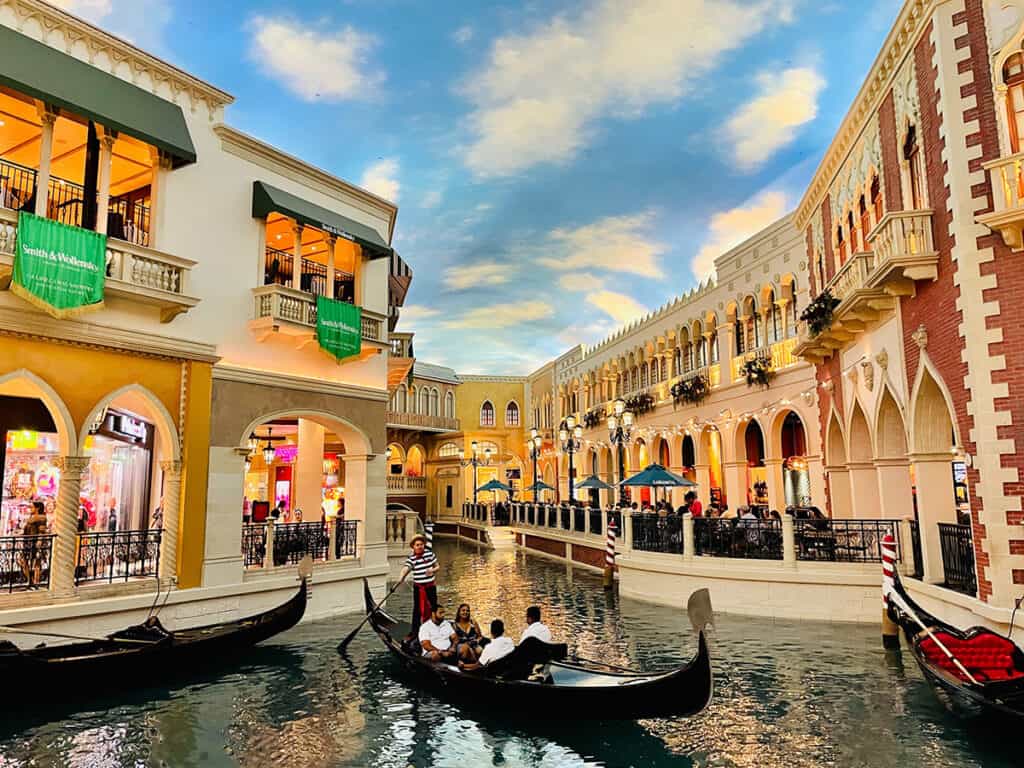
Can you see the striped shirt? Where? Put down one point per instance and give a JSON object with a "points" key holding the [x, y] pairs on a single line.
{"points": [[420, 567]]}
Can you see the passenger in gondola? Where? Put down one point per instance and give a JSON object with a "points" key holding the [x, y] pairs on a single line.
{"points": [[499, 647], [437, 637], [469, 639], [534, 627], [422, 564]]}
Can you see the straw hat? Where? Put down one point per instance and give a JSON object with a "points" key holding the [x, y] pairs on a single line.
{"points": [[417, 537]]}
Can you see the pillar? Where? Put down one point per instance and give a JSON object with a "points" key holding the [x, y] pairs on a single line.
{"points": [[309, 470], [689, 543], [816, 475], [297, 256], [703, 472], [47, 118], [935, 504], [863, 489], [735, 478], [222, 546], [107, 139], [62, 566], [726, 350], [329, 290], [171, 507], [627, 531], [908, 558], [895, 496], [839, 493], [158, 205], [776, 487], [365, 501], [788, 540], [784, 329]]}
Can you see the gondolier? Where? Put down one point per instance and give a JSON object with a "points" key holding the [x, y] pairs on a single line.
{"points": [[422, 564]]}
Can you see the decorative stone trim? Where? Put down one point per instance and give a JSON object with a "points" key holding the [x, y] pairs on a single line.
{"points": [[284, 381]]}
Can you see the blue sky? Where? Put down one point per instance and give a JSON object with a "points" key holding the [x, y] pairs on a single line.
{"points": [[560, 167]]}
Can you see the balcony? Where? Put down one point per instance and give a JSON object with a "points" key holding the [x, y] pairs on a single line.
{"points": [[1007, 215], [280, 309], [134, 272], [407, 485], [422, 421]]}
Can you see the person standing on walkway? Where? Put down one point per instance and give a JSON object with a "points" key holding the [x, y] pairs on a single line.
{"points": [[423, 565]]}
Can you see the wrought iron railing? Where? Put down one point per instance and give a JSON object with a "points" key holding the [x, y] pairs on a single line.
{"points": [[293, 541], [501, 515], [915, 545], [653, 533], [739, 538], [595, 520], [531, 515], [254, 545], [25, 562], [565, 519], [958, 557], [579, 519], [118, 555], [551, 513], [345, 538], [844, 541]]}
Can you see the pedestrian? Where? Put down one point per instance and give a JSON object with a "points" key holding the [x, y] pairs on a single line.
{"points": [[693, 504], [423, 565], [112, 519], [32, 561]]}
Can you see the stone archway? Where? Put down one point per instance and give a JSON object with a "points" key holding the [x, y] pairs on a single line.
{"points": [[895, 492], [863, 478]]}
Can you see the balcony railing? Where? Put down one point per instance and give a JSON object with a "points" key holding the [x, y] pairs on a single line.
{"points": [[763, 353], [422, 421], [731, 537], [133, 271], [1007, 215], [25, 562], [118, 555], [844, 541], [958, 557], [294, 311], [852, 275], [407, 484], [278, 269]]}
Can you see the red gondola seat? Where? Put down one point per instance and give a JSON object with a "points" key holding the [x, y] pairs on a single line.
{"points": [[987, 656]]}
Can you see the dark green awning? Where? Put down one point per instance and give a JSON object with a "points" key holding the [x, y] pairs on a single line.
{"points": [[267, 199], [44, 73]]}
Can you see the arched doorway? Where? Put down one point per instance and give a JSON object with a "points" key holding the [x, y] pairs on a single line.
{"points": [[836, 469], [895, 485], [688, 458], [753, 451], [711, 449], [664, 457], [796, 480], [395, 458], [415, 461], [863, 478]]}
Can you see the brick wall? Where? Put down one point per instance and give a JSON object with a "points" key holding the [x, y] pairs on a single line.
{"points": [[556, 548], [892, 184], [826, 226]]}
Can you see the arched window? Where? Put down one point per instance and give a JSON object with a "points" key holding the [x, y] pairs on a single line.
{"points": [[664, 368], [643, 375], [414, 462], [401, 398], [413, 402], [865, 222], [396, 459], [512, 414], [774, 320], [876, 199], [912, 156], [487, 414], [449, 451], [713, 344], [740, 334], [677, 361], [424, 401], [1013, 78], [841, 245], [635, 379], [852, 222], [435, 402], [654, 372], [819, 259], [449, 404]]}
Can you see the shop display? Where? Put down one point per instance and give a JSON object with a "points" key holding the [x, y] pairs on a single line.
{"points": [[30, 473], [116, 485]]}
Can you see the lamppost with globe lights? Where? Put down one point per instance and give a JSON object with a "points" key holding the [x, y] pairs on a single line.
{"points": [[620, 427], [534, 444], [473, 460], [570, 436]]}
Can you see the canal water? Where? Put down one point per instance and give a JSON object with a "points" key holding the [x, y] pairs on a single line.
{"points": [[787, 694]]}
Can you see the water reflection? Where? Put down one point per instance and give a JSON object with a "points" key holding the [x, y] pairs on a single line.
{"points": [[787, 693]]}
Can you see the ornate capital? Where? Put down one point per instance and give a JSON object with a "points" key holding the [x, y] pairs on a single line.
{"points": [[171, 467], [72, 465], [920, 337]]}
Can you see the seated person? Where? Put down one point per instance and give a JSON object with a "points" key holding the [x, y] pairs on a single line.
{"points": [[437, 637], [470, 640], [534, 628], [499, 647]]}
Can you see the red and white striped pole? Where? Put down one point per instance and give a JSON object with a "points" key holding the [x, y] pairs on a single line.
{"points": [[890, 631], [609, 557]]}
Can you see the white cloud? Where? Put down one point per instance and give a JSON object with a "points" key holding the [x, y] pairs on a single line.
{"points": [[785, 101], [329, 67], [432, 199], [483, 206], [381, 178], [615, 243], [480, 274], [502, 315], [581, 282], [621, 308], [540, 94], [732, 227], [463, 34], [412, 314]]}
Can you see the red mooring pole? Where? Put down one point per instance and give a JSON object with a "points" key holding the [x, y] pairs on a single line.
{"points": [[609, 557], [890, 631]]}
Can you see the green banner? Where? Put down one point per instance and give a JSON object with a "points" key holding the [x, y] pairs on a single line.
{"points": [[339, 327], [59, 268]]}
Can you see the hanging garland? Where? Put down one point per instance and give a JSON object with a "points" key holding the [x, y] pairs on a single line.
{"points": [[593, 418], [689, 391], [757, 371], [818, 314], [642, 403]]}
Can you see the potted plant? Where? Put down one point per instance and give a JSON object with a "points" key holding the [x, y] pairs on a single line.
{"points": [[818, 314], [757, 370], [692, 390]]}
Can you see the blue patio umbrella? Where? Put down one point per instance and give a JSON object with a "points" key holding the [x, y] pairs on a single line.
{"points": [[656, 476], [493, 486], [539, 486], [595, 483]]}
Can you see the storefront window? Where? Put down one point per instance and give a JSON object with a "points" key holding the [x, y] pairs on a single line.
{"points": [[30, 473], [116, 486]]}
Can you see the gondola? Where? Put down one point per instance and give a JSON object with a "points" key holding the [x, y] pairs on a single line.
{"points": [[994, 662], [539, 680], [136, 656]]}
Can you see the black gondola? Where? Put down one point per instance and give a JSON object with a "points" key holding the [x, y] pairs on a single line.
{"points": [[538, 680], [138, 655], [994, 661]]}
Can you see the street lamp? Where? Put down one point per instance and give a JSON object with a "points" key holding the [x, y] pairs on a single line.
{"points": [[620, 427], [473, 460], [534, 444], [570, 437]]}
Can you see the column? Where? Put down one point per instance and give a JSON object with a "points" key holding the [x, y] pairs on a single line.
{"points": [[47, 117], [222, 553], [107, 139], [726, 350], [935, 504], [735, 477], [158, 205], [782, 304], [309, 470], [297, 256], [907, 563], [816, 473], [776, 488], [365, 501], [62, 564], [329, 290], [895, 497], [171, 508], [703, 472], [689, 543], [864, 489], [788, 540]]}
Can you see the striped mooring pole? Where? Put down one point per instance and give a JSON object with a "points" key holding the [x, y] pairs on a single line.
{"points": [[609, 557], [428, 531], [890, 631]]}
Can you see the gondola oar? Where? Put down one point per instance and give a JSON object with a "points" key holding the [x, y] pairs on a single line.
{"points": [[62, 636], [901, 604], [351, 635]]}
